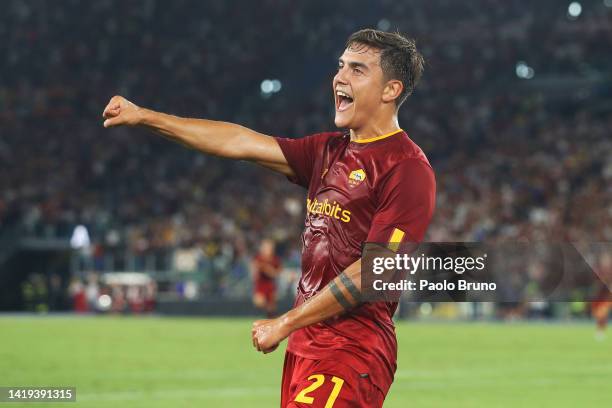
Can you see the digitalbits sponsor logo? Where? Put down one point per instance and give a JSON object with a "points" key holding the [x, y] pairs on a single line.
{"points": [[333, 209]]}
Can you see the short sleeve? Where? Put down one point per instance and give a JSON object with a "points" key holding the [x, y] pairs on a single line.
{"points": [[301, 155], [406, 201]]}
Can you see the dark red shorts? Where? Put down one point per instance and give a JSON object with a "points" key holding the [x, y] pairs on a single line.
{"points": [[326, 384], [266, 288]]}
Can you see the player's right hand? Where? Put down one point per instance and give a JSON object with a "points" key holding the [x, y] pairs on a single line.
{"points": [[120, 111]]}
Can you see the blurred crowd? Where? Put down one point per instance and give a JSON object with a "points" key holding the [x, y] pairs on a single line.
{"points": [[517, 155]]}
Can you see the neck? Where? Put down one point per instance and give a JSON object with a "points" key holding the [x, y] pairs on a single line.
{"points": [[375, 129]]}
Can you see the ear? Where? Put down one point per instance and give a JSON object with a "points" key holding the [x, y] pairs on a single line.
{"points": [[392, 90]]}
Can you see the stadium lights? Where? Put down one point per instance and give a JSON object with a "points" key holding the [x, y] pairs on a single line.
{"points": [[276, 85], [524, 71], [383, 24], [270, 86], [574, 10]]}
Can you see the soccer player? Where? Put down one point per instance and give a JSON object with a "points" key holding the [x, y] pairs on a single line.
{"points": [[600, 309], [369, 183], [265, 268], [602, 304]]}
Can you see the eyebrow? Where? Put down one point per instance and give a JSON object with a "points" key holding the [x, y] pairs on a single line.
{"points": [[353, 64]]}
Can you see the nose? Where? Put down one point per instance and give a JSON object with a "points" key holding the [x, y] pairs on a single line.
{"points": [[340, 77]]}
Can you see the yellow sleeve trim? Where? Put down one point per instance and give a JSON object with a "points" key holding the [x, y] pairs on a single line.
{"points": [[373, 139], [396, 239]]}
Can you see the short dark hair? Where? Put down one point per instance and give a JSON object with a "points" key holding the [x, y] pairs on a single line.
{"points": [[399, 57]]}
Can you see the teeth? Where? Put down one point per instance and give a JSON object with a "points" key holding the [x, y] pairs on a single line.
{"points": [[340, 93]]}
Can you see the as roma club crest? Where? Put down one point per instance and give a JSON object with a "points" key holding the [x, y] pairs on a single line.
{"points": [[356, 177]]}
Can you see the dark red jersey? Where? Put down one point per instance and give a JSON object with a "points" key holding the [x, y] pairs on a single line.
{"points": [[376, 190], [261, 266]]}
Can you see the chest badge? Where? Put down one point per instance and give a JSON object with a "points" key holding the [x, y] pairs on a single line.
{"points": [[356, 177]]}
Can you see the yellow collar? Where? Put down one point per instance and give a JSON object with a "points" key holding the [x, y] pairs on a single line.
{"points": [[373, 139]]}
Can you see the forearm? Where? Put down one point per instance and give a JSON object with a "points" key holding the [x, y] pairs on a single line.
{"points": [[208, 136], [341, 294], [212, 137]]}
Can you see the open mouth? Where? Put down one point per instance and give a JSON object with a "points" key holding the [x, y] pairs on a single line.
{"points": [[343, 101]]}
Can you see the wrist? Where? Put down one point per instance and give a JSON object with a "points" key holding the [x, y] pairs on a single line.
{"points": [[290, 321], [146, 117]]}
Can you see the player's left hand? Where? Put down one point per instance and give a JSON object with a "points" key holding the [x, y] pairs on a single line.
{"points": [[267, 334]]}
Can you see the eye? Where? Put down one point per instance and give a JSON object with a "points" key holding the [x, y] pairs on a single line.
{"points": [[357, 71]]}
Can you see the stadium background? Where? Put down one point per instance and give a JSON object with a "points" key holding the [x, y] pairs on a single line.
{"points": [[513, 113]]}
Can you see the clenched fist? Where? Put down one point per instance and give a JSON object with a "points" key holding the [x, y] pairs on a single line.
{"points": [[267, 334], [120, 111]]}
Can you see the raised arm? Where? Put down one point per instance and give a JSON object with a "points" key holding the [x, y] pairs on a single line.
{"points": [[221, 139]]}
